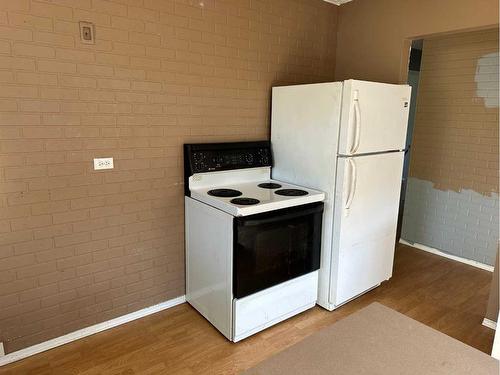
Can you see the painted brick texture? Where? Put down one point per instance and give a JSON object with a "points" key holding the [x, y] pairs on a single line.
{"points": [[455, 140], [77, 246], [452, 196], [461, 223]]}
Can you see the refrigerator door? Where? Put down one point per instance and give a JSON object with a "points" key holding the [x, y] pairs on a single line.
{"points": [[304, 136], [374, 117], [366, 213]]}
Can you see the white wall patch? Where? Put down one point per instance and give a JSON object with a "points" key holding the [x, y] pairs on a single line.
{"points": [[464, 224], [486, 79]]}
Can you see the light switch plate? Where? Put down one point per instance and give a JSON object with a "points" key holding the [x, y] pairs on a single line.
{"points": [[87, 32], [103, 163]]}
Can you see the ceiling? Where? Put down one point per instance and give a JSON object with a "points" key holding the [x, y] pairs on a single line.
{"points": [[337, 2]]}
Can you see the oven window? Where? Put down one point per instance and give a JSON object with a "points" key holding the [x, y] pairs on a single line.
{"points": [[272, 248]]}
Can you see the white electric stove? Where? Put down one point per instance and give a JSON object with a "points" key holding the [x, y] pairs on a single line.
{"points": [[252, 243], [248, 198]]}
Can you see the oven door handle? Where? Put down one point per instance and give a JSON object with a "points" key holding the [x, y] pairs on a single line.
{"points": [[247, 222]]}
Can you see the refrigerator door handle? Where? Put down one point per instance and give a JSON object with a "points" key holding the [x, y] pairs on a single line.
{"points": [[352, 187], [357, 123]]}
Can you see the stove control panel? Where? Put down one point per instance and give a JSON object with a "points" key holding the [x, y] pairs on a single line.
{"points": [[199, 158], [209, 161]]}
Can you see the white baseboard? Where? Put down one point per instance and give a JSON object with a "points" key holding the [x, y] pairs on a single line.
{"points": [[489, 323], [81, 333], [432, 250]]}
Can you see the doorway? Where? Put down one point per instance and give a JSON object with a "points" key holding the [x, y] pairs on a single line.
{"points": [[413, 80], [451, 184]]}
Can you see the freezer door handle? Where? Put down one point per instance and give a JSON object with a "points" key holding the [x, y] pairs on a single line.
{"points": [[352, 185], [357, 123]]}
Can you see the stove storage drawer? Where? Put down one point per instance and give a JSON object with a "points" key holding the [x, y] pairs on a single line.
{"points": [[274, 247], [268, 307]]}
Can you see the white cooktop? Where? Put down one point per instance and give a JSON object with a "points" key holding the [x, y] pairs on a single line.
{"points": [[269, 200]]}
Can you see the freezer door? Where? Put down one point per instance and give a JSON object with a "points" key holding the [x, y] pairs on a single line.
{"points": [[304, 133], [366, 213], [374, 117]]}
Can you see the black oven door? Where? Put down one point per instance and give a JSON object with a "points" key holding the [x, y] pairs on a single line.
{"points": [[273, 247]]}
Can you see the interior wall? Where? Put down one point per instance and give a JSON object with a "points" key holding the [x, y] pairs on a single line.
{"points": [[371, 41], [77, 246], [452, 195]]}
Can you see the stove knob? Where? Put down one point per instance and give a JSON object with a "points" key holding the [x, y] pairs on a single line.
{"points": [[263, 156]]}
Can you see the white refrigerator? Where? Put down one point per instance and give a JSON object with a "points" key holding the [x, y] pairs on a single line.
{"points": [[346, 139]]}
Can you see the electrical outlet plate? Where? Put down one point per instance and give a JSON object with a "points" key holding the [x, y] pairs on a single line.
{"points": [[2, 350], [103, 163]]}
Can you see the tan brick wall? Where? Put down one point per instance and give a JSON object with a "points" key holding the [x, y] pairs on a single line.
{"points": [[455, 141], [77, 246]]}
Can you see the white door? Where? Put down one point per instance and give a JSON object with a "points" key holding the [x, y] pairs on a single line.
{"points": [[374, 117], [366, 213]]}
